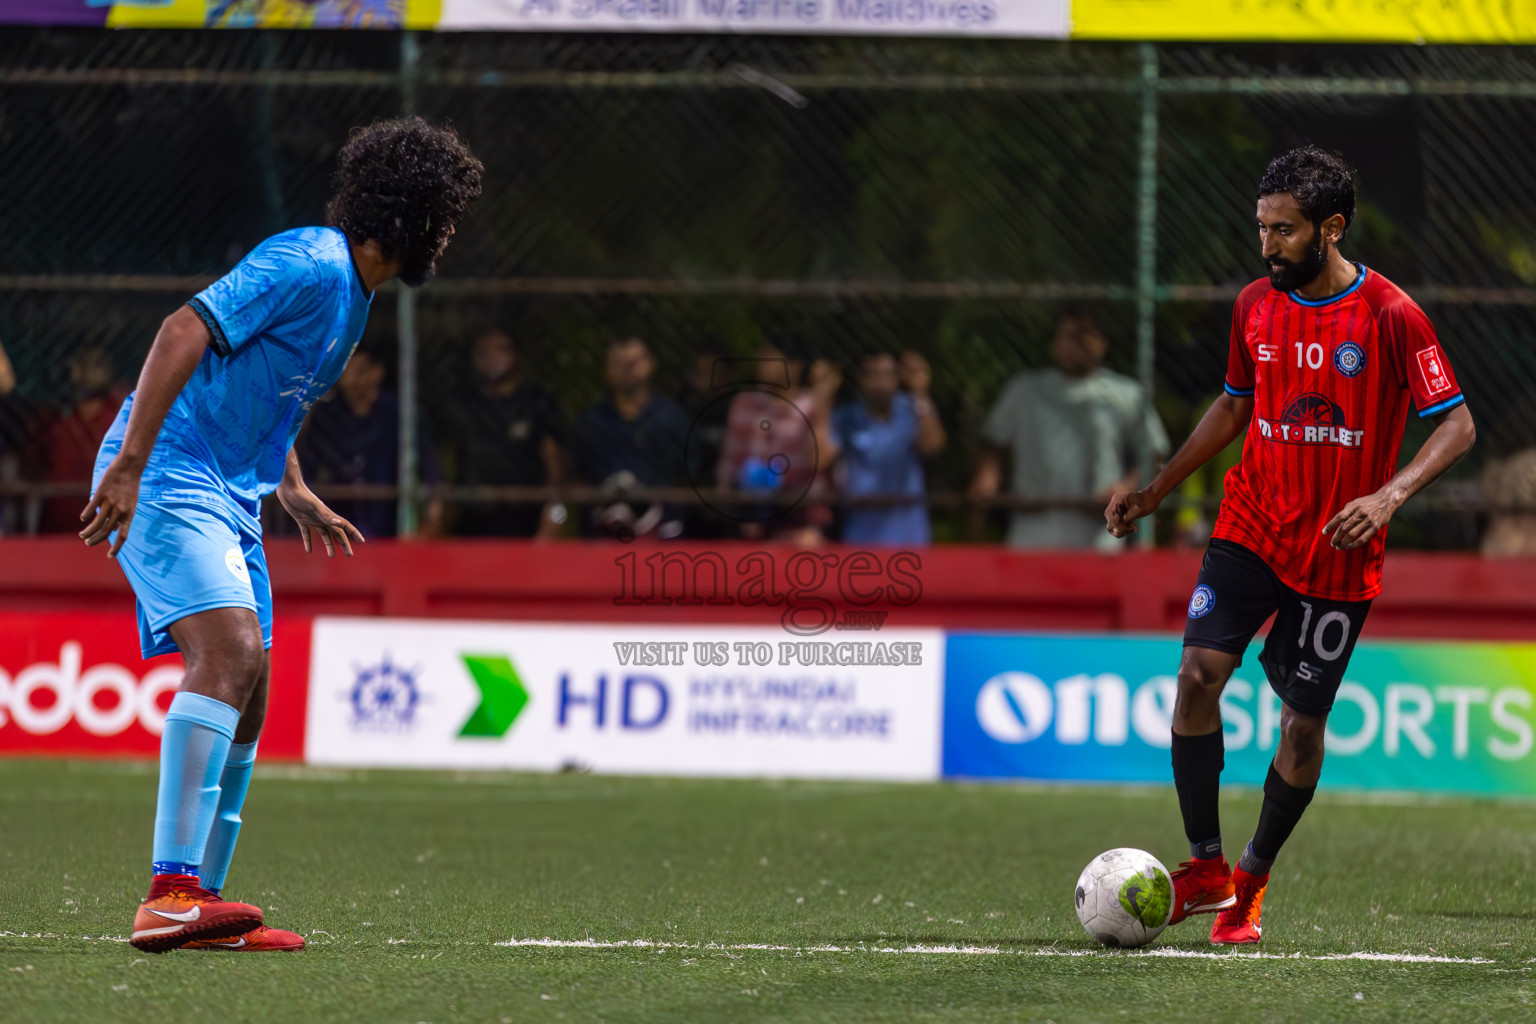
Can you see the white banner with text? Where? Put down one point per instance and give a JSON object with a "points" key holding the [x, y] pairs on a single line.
{"points": [[1041, 19], [698, 700]]}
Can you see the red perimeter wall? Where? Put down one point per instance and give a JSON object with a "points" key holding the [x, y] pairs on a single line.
{"points": [[1427, 596]]}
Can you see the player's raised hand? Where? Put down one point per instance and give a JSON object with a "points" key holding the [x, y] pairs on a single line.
{"points": [[1124, 509], [111, 507], [1359, 521], [316, 520]]}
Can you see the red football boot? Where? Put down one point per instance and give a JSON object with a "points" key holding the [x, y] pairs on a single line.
{"points": [[178, 908], [1201, 887], [1239, 923], [260, 939]]}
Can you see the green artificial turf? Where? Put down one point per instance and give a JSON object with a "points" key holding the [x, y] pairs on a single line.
{"points": [[406, 882]]}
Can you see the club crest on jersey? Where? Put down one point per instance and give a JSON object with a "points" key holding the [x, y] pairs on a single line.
{"points": [[1202, 601], [1349, 359], [1311, 419]]}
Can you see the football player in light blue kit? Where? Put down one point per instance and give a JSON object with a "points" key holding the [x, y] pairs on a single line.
{"points": [[208, 433]]}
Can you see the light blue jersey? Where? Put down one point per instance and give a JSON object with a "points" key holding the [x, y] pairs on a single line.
{"points": [[284, 323]]}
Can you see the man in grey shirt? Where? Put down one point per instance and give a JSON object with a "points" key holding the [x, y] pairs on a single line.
{"points": [[1077, 432]]}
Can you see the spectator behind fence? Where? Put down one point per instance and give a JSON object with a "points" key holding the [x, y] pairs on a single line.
{"points": [[707, 401], [633, 438], [704, 399], [353, 437], [72, 438], [885, 435], [1510, 486], [1078, 432], [506, 431], [779, 444], [15, 443]]}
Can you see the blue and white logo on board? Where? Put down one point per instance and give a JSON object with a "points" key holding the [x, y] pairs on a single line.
{"points": [[384, 696], [1036, 707], [1201, 602], [1349, 359]]}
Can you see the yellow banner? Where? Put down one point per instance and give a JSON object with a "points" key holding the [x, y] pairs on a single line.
{"points": [[1332, 21]]}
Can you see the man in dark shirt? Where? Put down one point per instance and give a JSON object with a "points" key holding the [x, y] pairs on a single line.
{"points": [[353, 437], [635, 438], [506, 432], [74, 433], [16, 442]]}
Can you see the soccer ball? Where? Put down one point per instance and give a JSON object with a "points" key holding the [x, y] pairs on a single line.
{"points": [[1124, 898]]}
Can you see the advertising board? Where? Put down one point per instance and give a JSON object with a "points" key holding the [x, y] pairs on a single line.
{"points": [[1018, 18], [1386, 21], [75, 686], [703, 700], [1427, 717]]}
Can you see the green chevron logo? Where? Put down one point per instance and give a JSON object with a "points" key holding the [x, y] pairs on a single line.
{"points": [[502, 696]]}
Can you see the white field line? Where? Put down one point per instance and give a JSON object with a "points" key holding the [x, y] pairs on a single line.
{"points": [[1396, 958], [921, 950]]}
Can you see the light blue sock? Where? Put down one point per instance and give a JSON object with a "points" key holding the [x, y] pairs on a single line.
{"points": [[226, 822], [193, 749]]}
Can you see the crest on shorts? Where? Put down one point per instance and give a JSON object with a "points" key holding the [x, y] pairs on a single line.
{"points": [[1201, 603], [1349, 359]]}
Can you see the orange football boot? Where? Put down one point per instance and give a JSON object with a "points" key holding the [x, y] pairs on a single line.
{"points": [[1239, 923], [178, 908], [260, 939], [1201, 887]]}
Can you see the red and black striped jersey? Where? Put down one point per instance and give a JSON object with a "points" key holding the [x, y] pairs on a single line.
{"points": [[1331, 381]]}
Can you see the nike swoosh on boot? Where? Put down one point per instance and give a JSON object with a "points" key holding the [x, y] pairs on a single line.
{"points": [[186, 915]]}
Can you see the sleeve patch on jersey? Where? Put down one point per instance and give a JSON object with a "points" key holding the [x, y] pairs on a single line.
{"points": [[220, 342], [1440, 407], [1237, 392], [1432, 367]]}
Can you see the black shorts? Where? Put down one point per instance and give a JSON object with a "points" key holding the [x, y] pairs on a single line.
{"points": [[1310, 643]]}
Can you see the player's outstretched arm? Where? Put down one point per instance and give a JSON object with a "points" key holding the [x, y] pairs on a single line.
{"points": [[1227, 417], [1360, 520], [312, 515], [178, 348]]}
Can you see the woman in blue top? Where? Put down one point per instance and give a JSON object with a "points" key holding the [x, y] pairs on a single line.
{"points": [[885, 435]]}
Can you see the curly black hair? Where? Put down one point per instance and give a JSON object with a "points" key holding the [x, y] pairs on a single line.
{"points": [[1321, 183], [405, 184]]}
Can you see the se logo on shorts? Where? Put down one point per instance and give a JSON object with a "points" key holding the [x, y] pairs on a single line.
{"points": [[234, 560]]}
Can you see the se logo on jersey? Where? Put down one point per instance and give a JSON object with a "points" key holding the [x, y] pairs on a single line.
{"points": [[1311, 419]]}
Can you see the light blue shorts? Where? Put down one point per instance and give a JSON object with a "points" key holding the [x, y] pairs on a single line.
{"points": [[186, 554]]}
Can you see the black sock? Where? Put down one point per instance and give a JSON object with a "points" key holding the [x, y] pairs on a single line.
{"points": [[1197, 765], [1283, 805]]}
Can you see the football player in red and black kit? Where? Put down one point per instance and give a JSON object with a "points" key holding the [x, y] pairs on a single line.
{"points": [[1325, 357]]}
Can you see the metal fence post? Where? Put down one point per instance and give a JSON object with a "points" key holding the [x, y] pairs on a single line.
{"points": [[271, 181], [1146, 246], [405, 512]]}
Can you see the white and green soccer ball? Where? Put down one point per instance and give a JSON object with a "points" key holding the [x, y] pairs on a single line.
{"points": [[1124, 898]]}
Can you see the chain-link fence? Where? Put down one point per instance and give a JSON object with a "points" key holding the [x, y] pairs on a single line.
{"points": [[827, 196]]}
